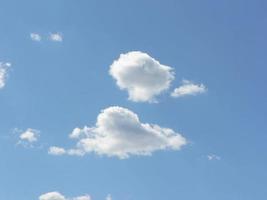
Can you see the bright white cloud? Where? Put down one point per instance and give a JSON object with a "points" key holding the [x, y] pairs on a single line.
{"points": [[4, 73], [56, 151], [58, 196], [36, 37], [57, 37], [52, 196], [213, 157], [141, 75], [118, 132], [188, 88], [30, 135]]}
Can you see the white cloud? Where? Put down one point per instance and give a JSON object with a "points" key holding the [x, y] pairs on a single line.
{"points": [[4, 73], [57, 37], [141, 75], [118, 132], [77, 132], [58, 196], [29, 136], [213, 157], [52, 196], [188, 88], [85, 197], [56, 151], [35, 37]]}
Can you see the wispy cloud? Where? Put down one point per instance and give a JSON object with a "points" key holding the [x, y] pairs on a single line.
{"points": [[36, 37], [213, 157], [4, 66], [84, 197], [188, 88], [56, 37]]}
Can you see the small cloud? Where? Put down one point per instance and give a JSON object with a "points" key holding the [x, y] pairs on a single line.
{"points": [[213, 157], [52, 196], [118, 132], [188, 88], [4, 66], [56, 151], [28, 137], [84, 197], [58, 196], [56, 37], [35, 37], [143, 77], [59, 151]]}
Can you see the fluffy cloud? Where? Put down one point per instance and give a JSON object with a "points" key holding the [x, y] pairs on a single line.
{"points": [[29, 136], [57, 37], [109, 197], [35, 37], [188, 88], [119, 132], [52, 196], [141, 75], [3, 73], [58, 196]]}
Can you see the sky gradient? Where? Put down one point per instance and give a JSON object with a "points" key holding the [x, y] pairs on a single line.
{"points": [[60, 54]]}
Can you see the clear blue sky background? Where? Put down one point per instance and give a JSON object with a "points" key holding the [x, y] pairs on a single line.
{"points": [[54, 87]]}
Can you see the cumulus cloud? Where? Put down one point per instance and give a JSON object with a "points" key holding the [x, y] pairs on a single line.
{"points": [[36, 37], [4, 73], [28, 138], [52, 196], [119, 132], [188, 88], [142, 76], [56, 151], [58, 196], [56, 37], [30, 135]]}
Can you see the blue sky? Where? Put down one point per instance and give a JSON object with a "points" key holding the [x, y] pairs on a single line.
{"points": [[55, 86]]}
